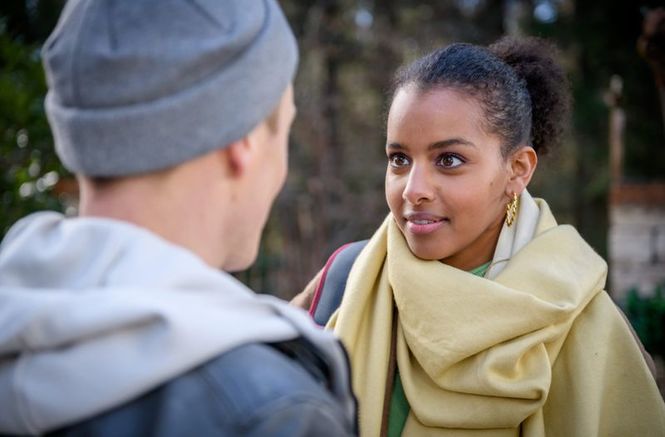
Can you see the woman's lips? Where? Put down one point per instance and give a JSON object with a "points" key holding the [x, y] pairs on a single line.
{"points": [[421, 223]]}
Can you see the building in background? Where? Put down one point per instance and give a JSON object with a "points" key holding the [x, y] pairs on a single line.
{"points": [[636, 237]]}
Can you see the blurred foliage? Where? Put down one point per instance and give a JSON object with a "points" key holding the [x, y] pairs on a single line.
{"points": [[349, 51], [647, 315], [30, 168]]}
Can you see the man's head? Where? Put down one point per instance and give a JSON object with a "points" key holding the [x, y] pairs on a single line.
{"points": [[145, 93]]}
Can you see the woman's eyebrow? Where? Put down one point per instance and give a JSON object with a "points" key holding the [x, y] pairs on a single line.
{"points": [[450, 142], [437, 145]]}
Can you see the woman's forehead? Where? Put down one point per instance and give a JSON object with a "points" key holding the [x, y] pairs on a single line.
{"points": [[439, 110]]}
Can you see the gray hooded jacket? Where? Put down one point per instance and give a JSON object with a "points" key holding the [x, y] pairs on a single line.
{"points": [[95, 313]]}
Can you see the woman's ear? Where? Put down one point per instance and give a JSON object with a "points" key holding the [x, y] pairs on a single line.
{"points": [[523, 163]]}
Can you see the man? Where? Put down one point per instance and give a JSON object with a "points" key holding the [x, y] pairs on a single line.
{"points": [[174, 116]]}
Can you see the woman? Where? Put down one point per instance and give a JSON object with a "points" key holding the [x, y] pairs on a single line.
{"points": [[471, 312]]}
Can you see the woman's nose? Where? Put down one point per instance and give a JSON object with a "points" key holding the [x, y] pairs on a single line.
{"points": [[418, 186]]}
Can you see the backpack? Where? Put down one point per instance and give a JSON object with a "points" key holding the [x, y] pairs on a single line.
{"points": [[330, 289]]}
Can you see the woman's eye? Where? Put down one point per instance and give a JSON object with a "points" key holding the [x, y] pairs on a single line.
{"points": [[448, 160], [398, 160]]}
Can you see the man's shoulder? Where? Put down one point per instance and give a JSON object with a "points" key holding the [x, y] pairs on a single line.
{"points": [[259, 389], [254, 389], [260, 374]]}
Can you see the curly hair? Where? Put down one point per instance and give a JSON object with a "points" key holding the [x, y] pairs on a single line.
{"points": [[524, 93]]}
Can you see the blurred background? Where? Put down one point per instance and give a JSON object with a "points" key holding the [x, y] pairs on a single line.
{"points": [[607, 179]]}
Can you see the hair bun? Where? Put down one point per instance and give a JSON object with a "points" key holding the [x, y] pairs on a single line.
{"points": [[534, 61]]}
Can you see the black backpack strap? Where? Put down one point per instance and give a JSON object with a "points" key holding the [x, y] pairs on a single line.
{"points": [[329, 291]]}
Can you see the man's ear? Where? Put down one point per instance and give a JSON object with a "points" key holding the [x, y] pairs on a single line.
{"points": [[523, 163], [237, 156], [240, 153]]}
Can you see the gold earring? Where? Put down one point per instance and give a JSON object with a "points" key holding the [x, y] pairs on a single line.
{"points": [[511, 210]]}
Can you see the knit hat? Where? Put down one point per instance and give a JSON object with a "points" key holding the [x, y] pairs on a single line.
{"points": [[141, 85]]}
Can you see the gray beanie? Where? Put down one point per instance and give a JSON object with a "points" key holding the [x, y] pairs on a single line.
{"points": [[141, 85]]}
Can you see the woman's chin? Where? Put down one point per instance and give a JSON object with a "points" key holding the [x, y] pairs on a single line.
{"points": [[427, 253]]}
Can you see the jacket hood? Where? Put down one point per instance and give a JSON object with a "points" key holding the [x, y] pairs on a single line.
{"points": [[95, 312]]}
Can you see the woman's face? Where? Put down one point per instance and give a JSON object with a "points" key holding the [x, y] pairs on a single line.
{"points": [[446, 179]]}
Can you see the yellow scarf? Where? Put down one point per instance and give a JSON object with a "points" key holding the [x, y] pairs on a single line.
{"points": [[475, 355]]}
